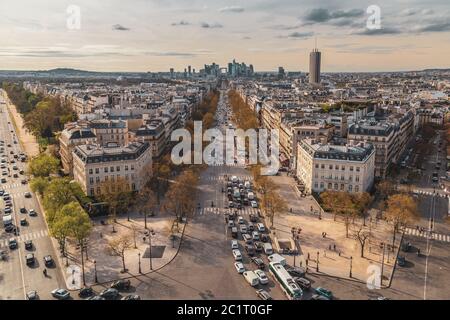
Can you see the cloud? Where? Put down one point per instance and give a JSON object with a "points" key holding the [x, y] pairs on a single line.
{"points": [[211, 25], [378, 32], [297, 35], [246, 38], [443, 26], [180, 23], [119, 27], [322, 15], [234, 9], [284, 27]]}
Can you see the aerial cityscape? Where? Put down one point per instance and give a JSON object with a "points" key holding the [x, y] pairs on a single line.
{"points": [[225, 150]]}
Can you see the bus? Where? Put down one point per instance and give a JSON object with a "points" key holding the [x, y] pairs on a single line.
{"points": [[288, 285]]}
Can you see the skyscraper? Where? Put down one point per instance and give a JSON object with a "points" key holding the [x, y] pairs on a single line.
{"points": [[314, 66]]}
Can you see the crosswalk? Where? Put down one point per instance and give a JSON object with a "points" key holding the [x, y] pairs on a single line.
{"points": [[429, 193], [426, 234], [222, 178], [220, 211], [12, 186], [25, 237]]}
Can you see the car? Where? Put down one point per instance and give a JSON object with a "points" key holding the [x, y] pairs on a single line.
{"points": [[121, 285], [230, 223], [32, 213], [2, 192], [253, 218], [237, 255], [61, 294], [262, 277], [259, 263], [10, 228], [27, 195], [241, 220], [261, 227], [24, 181], [230, 204], [3, 180], [132, 297], [8, 211], [250, 249], [48, 261], [85, 292], [23, 210], [29, 258], [243, 228], [239, 267], [263, 294], [12, 243], [23, 222], [109, 293], [255, 235], [234, 232], [234, 244], [247, 238], [94, 297], [32, 295], [406, 247], [296, 271], [254, 204], [305, 284], [401, 261], [28, 245], [318, 297], [258, 246], [324, 292]]}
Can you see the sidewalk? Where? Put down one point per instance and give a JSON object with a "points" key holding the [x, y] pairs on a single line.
{"points": [[109, 267], [336, 251]]}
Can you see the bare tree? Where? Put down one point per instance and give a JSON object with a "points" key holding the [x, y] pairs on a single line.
{"points": [[362, 236], [119, 245]]}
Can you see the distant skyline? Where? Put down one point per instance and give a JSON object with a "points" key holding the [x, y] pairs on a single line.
{"points": [[155, 35]]}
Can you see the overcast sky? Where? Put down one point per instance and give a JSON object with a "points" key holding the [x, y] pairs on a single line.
{"points": [[155, 35]]}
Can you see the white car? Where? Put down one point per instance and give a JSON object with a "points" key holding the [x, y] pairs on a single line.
{"points": [[254, 204], [255, 235], [234, 244], [243, 228], [262, 277], [241, 220], [239, 267], [261, 227], [237, 255]]}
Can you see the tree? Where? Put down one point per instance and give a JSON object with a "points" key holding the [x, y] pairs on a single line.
{"points": [[60, 229], [385, 188], [119, 245], [117, 194], [401, 209], [340, 203], [43, 165], [39, 184], [362, 202], [59, 192], [80, 227], [160, 176], [145, 202], [275, 204], [362, 236]]}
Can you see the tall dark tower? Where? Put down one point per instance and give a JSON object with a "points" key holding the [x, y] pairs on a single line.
{"points": [[314, 66]]}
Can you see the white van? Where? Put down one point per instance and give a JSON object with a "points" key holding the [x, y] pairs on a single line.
{"points": [[251, 278], [7, 220], [251, 196], [261, 227], [237, 255], [268, 249], [277, 258]]}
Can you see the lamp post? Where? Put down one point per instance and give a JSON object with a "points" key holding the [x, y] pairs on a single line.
{"points": [[139, 257], [351, 263], [382, 264], [95, 271], [150, 234], [317, 262]]}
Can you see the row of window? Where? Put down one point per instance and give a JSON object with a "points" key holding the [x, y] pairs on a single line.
{"points": [[336, 177], [337, 187], [336, 167], [113, 189], [111, 178], [111, 169]]}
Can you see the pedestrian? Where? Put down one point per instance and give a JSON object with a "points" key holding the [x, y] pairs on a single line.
{"points": [[334, 247], [339, 253], [329, 247], [101, 235]]}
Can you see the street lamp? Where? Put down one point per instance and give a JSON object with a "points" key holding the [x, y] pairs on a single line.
{"points": [[139, 257], [317, 262], [382, 264], [351, 263], [150, 234], [95, 271]]}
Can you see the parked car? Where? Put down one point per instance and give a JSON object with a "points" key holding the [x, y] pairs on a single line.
{"points": [[28, 245], [85, 292], [243, 228], [61, 294], [262, 277], [234, 244], [237, 255], [318, 297], [250, 249], [324, 292], [401, 261], [247, 238], [296, 271], [258, 262], [305, 284], [263, 294], [23, 210], [121, 285], [258, 246], [48, 261], [32, 295], [109, 293], [239, 267]]}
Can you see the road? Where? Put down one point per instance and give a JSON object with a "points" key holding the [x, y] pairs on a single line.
{"points": [[16, 278]]}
